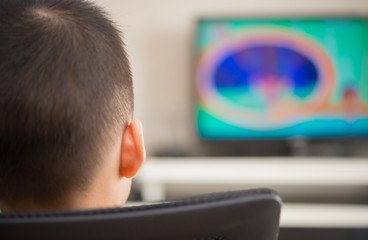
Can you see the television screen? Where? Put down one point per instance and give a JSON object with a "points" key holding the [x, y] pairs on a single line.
{"points": [[281, 78]]}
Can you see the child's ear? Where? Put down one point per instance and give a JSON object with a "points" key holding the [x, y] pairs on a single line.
{"points": [[133, 152]]}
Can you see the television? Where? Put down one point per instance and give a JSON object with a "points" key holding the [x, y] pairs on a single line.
{"points": [[280, 78]]}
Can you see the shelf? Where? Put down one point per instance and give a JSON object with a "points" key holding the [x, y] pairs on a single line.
{"points": [[158, 173], [324, 216]]}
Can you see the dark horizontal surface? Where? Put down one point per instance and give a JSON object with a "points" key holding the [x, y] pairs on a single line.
{"points": [[248, 214]]}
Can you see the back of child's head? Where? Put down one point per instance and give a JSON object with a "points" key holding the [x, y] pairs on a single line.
{"points": [[65, 92]]}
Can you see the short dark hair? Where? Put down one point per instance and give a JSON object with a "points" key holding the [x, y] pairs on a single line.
{"points": [[65, 93]]}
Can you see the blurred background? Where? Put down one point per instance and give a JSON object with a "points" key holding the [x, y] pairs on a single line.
{"points": [[239, 94], [160, 37]]}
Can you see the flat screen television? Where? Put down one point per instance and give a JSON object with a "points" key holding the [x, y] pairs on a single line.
{"points": [[279, 78]]}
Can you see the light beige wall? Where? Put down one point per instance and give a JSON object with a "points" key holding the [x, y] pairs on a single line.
{"points": [[158, 34]]}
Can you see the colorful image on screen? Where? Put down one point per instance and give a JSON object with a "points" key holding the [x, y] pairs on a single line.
{"points": [[280, 78]]}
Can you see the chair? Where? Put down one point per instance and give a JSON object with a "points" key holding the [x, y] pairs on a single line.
{"points": [[241, 215]]}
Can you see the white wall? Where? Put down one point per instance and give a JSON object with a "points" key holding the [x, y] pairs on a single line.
{"points": [[158, 34]]}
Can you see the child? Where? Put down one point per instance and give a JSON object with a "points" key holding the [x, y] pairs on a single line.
{"points": [[66, 101]]}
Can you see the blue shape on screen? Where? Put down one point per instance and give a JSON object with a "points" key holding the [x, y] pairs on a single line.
{"points": [[253, 64]]}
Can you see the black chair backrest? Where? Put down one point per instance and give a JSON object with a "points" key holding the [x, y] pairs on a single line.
{"points": [[242, 215]]}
